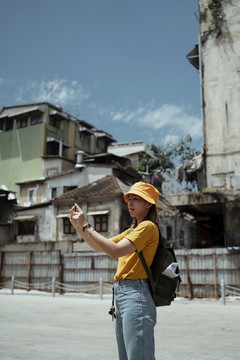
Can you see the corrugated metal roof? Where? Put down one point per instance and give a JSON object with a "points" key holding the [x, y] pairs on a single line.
{"points": [[19, 111], [102, 187], [128, 150]]}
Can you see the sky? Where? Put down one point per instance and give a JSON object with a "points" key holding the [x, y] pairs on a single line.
{"points": [[120, 65]]}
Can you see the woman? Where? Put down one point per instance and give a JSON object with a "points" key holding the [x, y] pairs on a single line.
{"points": [[135, 315]]}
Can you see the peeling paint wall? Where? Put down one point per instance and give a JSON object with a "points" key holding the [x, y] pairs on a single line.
{"points": [[220, 54], [43, 225]]}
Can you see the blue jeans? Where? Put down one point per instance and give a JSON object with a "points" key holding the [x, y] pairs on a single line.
{"points": [[135, 318]]}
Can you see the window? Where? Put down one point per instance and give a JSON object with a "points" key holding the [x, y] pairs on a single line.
{"points": [[101, 144], [21, 123], [101, 223], [54, 121], [169, 233], [53, 148], [67, 227], [54, 193], [8, 124], [32, 195], [36, 119], [82, 136], [26, 228], [182, 242], [68, 188], [1, 125]]}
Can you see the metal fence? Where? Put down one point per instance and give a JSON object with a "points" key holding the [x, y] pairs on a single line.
{"points": [[30, 269], [202, 271]]}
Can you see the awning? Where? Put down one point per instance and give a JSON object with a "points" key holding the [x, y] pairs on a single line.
{"points": [[193, 57], [51, 139], [100, 212], [84, 129], [59, 216], [25, 218], [102, 134], [11, 112]]}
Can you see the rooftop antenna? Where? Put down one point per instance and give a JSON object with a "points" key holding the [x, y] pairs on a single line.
{"points": [[53, 88]]}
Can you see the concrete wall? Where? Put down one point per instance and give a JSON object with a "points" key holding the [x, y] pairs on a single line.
{"points": [[220, 52], [55, 165], [43, 225], [79, 178], [183, 232], [20, 151]]}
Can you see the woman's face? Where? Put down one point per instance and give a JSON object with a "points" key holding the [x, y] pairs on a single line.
{"points": [[137, 206]]}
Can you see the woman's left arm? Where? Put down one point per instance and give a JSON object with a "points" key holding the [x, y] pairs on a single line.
{"points": [[96, 240]]}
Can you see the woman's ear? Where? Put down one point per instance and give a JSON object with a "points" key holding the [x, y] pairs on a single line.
{"points": [[149, 205]]}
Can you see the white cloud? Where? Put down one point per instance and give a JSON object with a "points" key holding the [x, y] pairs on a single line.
{"points": [[171, 139], [60, 92], [57, 91], [174, 121], [20, 95]]}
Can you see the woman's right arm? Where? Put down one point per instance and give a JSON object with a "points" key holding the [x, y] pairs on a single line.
{"points": [[96, 240]]}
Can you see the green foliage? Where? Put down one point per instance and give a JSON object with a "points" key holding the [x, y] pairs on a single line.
{"points": [[168, 157], [215, 8]]}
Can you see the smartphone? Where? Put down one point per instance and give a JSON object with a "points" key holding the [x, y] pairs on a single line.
{"points": [[75, 208]]}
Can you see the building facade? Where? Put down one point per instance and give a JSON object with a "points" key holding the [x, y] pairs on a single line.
{"points": [[40, 139], [216, 208]]}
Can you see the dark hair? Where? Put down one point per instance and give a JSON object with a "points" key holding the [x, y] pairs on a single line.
{"points": [[151, 216]]}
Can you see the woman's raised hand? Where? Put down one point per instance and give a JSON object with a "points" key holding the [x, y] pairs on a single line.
{"points": [[77, 217]]}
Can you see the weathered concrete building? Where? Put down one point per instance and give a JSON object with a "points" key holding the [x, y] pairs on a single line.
{"points": [[40, 139], [216, 208], [101, 200], [104, 206], [220, 69]]}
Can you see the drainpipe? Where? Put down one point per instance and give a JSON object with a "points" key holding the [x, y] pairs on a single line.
{"points": [[60, 148], [202, 110]]}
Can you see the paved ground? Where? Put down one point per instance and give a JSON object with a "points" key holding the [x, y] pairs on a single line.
{"points": [[34, 327]]}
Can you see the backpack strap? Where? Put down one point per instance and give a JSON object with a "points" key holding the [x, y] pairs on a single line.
{"points": [[148, 272], [142, 258]]}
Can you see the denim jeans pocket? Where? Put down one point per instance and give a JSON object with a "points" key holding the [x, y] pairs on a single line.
{"points": [[127, 289]]}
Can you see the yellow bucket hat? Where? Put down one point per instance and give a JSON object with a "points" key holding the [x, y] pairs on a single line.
{"points": [[146, 191]]}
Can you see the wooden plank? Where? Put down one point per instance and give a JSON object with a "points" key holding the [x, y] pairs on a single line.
{"points": [[1, 266], [60, 272], [189, 286], [215, 275], [29, 269]]}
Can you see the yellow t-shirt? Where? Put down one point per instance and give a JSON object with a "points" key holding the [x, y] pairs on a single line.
{"points": [[145, 237]]}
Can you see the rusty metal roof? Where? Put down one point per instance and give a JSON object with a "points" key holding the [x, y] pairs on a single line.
{"points": [[107, 186]]}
